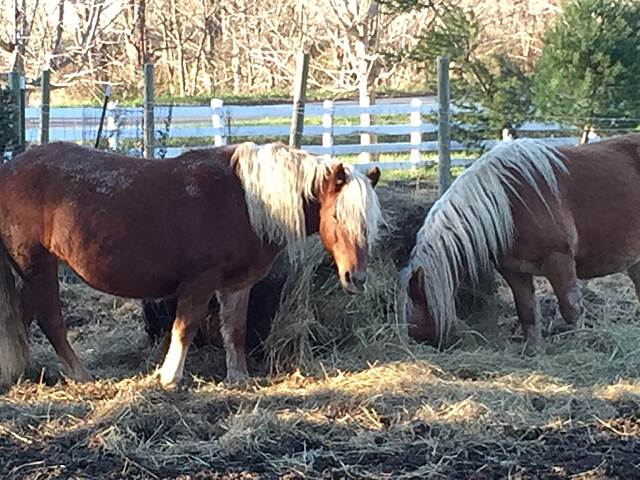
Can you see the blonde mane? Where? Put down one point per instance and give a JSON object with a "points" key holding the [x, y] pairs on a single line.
{"points": [[471, 225], [277, 180]]}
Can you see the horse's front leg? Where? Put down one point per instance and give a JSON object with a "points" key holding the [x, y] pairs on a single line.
{"points": [[524, 296], [190, 312], [233, 327], [560, 269]]}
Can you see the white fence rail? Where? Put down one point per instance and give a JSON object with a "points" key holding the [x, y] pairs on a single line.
{"points": [[217, 123]]}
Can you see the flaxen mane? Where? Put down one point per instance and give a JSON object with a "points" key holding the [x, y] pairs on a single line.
{"points": [[471, 224], [278, 179]]}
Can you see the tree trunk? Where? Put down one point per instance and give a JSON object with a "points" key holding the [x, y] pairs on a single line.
{"points": [[143, 58], [235, 66], [167, 52], [366, 90], [176, 25], [17, 62]]}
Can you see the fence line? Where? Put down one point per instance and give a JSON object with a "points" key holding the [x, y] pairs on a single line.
{"points": [[217, 123]]}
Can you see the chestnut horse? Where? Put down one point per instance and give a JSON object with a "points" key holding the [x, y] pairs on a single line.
{"points": [[208, 222], [528, 209]]}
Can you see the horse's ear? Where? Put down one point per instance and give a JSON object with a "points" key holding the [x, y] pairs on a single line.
{"points": [[339, 176], [373, 175]]}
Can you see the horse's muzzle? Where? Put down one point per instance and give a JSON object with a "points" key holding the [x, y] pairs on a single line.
{"points": [[353, 282]]}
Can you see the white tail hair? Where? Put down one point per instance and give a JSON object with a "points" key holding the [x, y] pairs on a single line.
{"points": [[277, 180], [14, 347], [471, 225]]}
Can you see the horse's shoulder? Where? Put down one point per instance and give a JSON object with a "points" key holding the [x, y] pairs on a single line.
{"points": [[209, 161]]}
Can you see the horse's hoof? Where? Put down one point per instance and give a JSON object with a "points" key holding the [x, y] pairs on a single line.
{"points": [[531, 349], [578, 324], [80, 375], [237, 378], [166, 383]]}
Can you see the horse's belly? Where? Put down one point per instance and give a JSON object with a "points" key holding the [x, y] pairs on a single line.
{"points": [[122, 270], [601, 265], [130, 283], [610, 249]]}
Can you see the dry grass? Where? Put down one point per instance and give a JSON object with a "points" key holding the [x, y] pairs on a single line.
{"points": [[362, 401]]}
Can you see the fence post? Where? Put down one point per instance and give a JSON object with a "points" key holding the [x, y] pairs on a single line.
{"points": [[299, 98], [365, 121], [327, 125], [415, 120], [149, 107], [218, 122], [14, 86], [112, 126], [444, 136], [105, 103], [22, 108], [44, 106]]}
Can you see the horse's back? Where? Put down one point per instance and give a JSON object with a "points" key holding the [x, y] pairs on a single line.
{"points": [[114, 219], [596, 219], [603, 194]]}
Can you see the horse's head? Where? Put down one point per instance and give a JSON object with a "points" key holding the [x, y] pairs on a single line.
{"points": [[349, 216], [418, 316]]}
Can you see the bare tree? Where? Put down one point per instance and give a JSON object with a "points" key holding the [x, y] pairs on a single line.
{"points": [[209, 46]]}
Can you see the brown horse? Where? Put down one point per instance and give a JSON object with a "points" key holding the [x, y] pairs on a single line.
{"points": [[208, 222], [567, 214]]}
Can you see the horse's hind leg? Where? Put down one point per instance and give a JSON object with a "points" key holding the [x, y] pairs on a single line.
{"points": [[233, 327], [41, 297], [634, 274], [560, 269], [190, 311], [524, 296]]}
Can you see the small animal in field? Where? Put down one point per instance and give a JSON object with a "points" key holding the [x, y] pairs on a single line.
{"points": [[528, 209], [208, 222]]}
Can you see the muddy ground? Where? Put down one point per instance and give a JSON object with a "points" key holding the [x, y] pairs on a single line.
{"points": [[375, 405]]}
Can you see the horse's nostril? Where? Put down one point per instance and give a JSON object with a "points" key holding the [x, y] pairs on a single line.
{"points": [[347, 277], [359, 279]]}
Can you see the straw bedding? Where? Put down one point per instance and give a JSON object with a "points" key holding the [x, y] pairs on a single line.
{"points": [[341, 391]]}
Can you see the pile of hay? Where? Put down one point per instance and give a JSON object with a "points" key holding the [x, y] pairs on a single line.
{"points": [[316, 317]]}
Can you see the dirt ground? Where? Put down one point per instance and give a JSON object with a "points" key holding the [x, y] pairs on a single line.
{"points": [[373, 405]]}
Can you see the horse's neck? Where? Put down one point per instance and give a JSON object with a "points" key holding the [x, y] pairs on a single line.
{"points": [[312, 216]]}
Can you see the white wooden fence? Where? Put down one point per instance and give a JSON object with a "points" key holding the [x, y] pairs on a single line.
{"points": [[330, 121], [412, 129], [328, 111]]}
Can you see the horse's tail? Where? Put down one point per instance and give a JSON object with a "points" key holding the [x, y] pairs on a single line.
{"points": [[14, 347]]}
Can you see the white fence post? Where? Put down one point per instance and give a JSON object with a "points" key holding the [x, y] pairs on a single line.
{"points": [[365, 138], [415, 120], [327, 125], [111, 127], [218, 122]]}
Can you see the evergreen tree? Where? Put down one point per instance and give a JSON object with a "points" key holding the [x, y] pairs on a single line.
{"points": [[490, 90], [589, 71], [7, 121]]}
